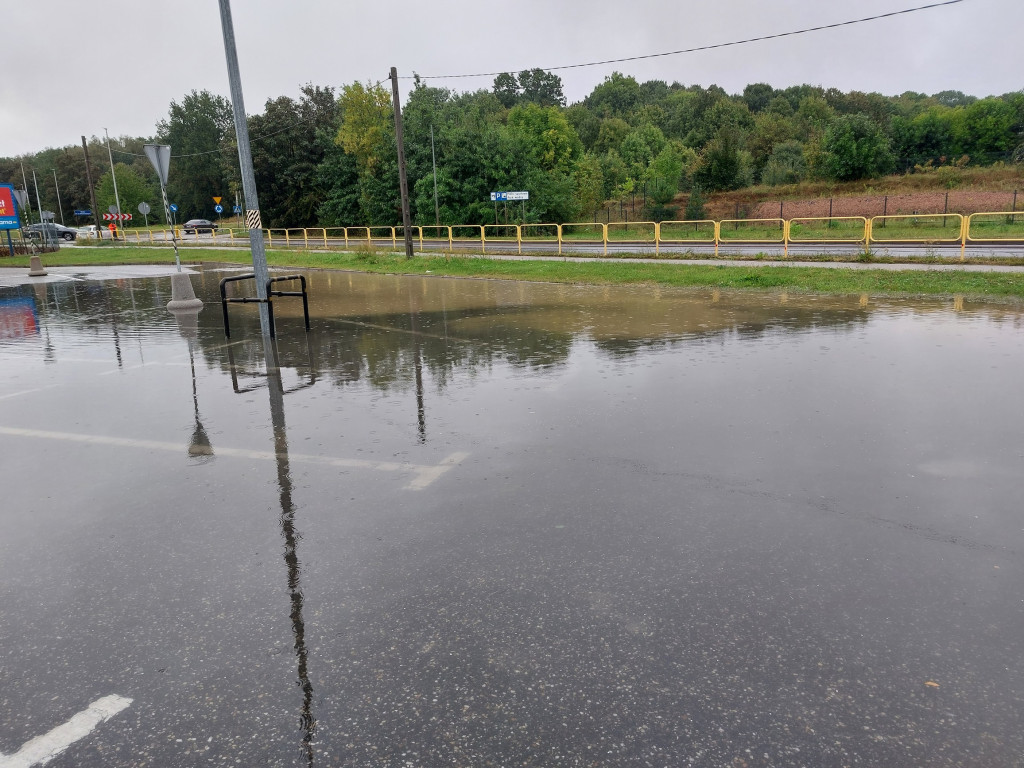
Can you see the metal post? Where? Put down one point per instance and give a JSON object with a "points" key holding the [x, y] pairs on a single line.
{"points": [[433, 159], [1014, 201], [113, 175], [60, 205], [28, 200], [403, 182], [45, 234], [252, 217]]}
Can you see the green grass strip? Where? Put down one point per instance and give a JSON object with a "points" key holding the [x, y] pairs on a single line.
{"points": [[666, 273]]}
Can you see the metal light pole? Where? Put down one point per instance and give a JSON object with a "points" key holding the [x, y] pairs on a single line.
{"points": [[35, 264], [433, 159], [45, 234], [113, 175], [60, 205], [28, 200], [252, 206]]}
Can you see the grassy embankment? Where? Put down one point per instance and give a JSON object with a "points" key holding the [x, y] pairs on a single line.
{"points": [[811, 279]]}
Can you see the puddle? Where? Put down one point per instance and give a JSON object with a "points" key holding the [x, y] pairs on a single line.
{"points": [[467, 522]]}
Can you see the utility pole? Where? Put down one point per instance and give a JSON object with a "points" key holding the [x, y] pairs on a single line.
{"points": [[433, 159], [402, 180], [60, 205], [92, 190], [113, 175], [252, 205]]}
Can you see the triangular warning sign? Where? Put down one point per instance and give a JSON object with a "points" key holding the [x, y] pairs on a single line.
{"points": [[216, 200]]}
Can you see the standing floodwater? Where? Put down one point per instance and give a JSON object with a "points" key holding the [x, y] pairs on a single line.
{"points": [[471, 523]]}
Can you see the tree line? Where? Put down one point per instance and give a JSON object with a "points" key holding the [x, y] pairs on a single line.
{"points": [[328, 157]]}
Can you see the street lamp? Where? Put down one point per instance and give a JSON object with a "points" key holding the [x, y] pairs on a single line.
{"points": [[113, 175], [60, 205]]}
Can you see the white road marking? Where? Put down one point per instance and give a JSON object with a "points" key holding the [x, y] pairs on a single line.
{"points": [[42, 749], [423, 474]]}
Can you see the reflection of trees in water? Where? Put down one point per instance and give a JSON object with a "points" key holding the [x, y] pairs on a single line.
{"points": [[392, 333]]}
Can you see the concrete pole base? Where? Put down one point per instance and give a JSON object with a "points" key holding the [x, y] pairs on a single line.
{"points": [[35, 267], [182, 295]]}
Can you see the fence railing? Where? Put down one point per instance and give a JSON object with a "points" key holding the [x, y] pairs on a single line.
{"points": [[933, 228]]}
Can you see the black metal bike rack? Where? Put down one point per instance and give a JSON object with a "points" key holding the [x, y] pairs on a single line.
{"points": [[225, 299]]}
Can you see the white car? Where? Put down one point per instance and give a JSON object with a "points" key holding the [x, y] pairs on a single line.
{"points": [[90, 231]]}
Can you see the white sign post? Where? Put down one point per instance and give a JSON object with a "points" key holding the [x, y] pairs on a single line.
{"points": [[182, 294]]}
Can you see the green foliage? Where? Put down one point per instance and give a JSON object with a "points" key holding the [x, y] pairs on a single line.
{"points": [[555, 144], [854, 147], [290, 141], [533, 86], [589, 183], [786, 164], [666, 171], [695, 205], [719, 165], [204, 158], [132, 189]]}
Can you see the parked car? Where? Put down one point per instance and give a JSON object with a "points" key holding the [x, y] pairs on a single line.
{"points": [[199, 225], [51, 231], [90, 231]]}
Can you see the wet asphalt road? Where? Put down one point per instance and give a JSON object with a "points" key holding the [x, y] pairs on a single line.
{"points": [[482, 523]]}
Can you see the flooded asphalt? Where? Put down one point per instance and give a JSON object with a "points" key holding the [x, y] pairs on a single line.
{"points": [[486, 523]]}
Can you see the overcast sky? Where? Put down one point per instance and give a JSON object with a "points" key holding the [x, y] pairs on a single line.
{"points": [[74, 68]]}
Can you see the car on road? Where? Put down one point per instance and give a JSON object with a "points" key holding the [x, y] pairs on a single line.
{"points": [[90, 231], [193, 226], [51, 231]]}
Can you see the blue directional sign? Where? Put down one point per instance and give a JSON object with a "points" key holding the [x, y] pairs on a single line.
{"points": [[237, 209], [83, 213], [218, 208], [499, 197], [173, 207]]}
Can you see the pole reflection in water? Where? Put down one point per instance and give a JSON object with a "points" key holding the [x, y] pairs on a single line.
{"points": [[421, 413], [291, 537], [188, 326]]}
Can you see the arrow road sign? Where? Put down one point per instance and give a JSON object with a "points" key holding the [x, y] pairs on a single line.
{"points": [[117, 217], [173, 207], [219, 208]]}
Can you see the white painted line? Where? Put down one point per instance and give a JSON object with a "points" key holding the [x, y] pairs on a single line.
{"points": [[423, 474], [42, 749]]}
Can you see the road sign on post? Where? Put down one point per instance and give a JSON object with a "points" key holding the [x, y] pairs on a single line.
{"points": [[219, 208], [83, 213], [183, 296]]}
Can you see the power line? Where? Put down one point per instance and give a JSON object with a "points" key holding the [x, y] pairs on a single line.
{"points": [[704, 47]]}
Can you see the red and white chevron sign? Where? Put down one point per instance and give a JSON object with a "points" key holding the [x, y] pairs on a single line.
{"points": [[117, 217]]}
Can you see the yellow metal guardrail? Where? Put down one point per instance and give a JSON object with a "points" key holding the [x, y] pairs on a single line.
{"points": [[828, 229], [998, 227], [928, 228]]}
